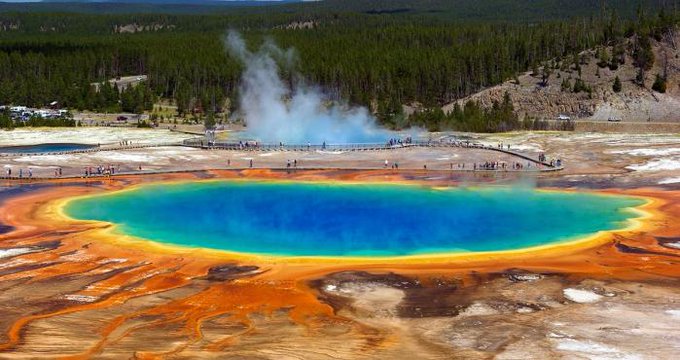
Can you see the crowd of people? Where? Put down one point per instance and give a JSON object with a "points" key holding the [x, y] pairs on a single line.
{"points": [[501, 165], [247, 144], [22, 174], [487, 165], [90, 171], [399, 142], [556, 163], [100, 170], [492, 165], [395, 165], [501, 146], [28, 173]]}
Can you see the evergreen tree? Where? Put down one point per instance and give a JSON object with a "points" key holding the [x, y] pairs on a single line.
{"points": [[659, 84], [6, 122], [617, 85], [545, 75], [643, 54], [426, 58], [640, 77], [603, 56], [209, 121], [566, 85]]}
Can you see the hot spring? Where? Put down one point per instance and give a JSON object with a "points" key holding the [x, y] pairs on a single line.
{"points": [[331, 219], [44, 148]]}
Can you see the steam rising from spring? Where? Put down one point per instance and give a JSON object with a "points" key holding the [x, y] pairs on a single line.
{"points": [[275, 113]]}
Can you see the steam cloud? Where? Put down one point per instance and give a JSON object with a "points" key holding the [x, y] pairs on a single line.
{"points": [[275, 113]]}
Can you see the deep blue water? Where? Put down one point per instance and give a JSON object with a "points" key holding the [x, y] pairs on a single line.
{"points": [[346, 219], [44, 148]]}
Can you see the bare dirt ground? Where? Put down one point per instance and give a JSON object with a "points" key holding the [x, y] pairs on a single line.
{"points": [[128, 304], [651, 159], [175, 158], [171, 158]]}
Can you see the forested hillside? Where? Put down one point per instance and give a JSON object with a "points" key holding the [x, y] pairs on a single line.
{"points": [[379, 54]]}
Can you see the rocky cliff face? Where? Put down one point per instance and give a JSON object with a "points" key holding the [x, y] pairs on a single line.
{"points": [[635, 103]]}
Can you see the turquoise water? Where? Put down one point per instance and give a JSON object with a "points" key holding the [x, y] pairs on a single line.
{"points": [[306, 219], [44, 148]]}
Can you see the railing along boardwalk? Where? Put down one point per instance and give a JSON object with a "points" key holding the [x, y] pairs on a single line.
{"points": [[203, 144], [433, 171]]}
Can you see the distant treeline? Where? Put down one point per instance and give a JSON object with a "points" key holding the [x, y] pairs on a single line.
{"points": [[472, 117], [446, 10], [362, 53]]}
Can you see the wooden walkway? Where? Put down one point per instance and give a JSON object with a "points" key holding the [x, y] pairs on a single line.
{"points": [[26, 179], [202, 144]]}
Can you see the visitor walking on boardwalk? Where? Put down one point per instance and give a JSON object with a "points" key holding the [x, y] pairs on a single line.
{"points": [[251, 163]]}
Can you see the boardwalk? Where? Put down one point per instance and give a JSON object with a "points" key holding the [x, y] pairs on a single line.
{"points": [[199, 143], [26, 179], [542, 166]]}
